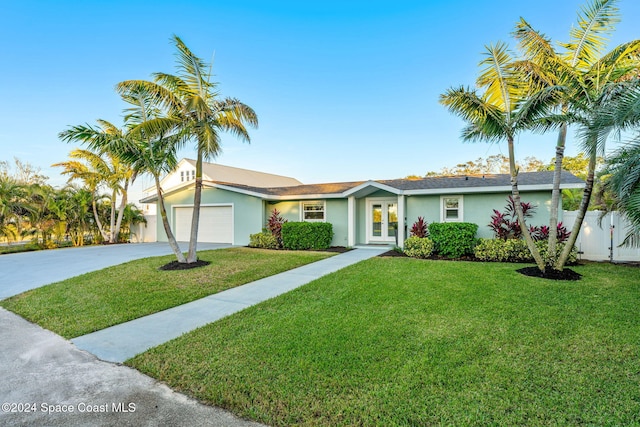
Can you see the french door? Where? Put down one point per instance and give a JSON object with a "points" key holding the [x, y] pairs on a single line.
{"points": [[382, 221]]}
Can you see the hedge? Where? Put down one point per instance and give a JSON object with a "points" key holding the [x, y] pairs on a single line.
{"points": [[453, 239], [307, 235]]}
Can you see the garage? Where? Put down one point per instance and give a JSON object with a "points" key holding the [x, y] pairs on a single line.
{"points": [[216, 224]]}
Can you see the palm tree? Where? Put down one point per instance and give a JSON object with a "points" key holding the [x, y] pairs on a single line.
{"points": [[192, 98], [622, 169], [586, 74], [13, 206], [97, 169], [504, 108]]}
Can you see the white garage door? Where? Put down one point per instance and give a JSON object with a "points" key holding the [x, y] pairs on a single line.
{"points": [[216, 224]]}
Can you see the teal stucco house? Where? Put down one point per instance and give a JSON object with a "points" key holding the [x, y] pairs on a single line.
{"points": [[237, 202]]}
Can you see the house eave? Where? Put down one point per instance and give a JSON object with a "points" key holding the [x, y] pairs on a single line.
{"points": [[489, 189]]}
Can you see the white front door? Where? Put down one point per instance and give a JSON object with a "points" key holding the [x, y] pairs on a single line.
{"points": [[382, 221]]}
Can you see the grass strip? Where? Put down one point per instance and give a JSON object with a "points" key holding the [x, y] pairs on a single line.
{"points": [[99, 299]]}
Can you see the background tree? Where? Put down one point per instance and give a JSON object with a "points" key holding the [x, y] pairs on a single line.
{"points": [[100, 169]]}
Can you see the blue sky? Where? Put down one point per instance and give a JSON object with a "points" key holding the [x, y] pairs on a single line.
{"points": [[344, 90]]}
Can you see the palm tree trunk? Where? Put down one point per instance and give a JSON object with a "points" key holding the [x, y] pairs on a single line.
{"points": [[582, 211], [555, 197], [113, 217], [165, 222], [192, 256], [98, 222], [516, 199], [123, 204]]}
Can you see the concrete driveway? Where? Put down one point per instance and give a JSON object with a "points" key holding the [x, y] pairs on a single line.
{"points": [[23, 271], [46, 380]]}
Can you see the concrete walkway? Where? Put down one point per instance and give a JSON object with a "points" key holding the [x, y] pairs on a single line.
{"points": [[27, 270], [121, 342]]}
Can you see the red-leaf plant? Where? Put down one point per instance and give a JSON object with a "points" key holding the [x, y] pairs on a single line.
{"points": [[274, 225], [419, 228]]}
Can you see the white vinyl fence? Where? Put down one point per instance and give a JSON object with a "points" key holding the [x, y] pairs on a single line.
{"points": [[601, 242]]}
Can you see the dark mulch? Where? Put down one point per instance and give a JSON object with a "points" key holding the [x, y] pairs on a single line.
{"points": [[392, 253], [566, 274], [175, 265], [336, 249]]}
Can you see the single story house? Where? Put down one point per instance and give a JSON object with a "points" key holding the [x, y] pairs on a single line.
{"points": [[237, 202]]}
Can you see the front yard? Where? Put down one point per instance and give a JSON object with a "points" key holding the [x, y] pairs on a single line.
{"points": [[100, 299], [397, 341]]}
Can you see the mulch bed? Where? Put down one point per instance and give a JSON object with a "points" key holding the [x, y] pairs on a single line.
{"points": [[393, 253], [566, 274], [175, 265], [336, 249]]}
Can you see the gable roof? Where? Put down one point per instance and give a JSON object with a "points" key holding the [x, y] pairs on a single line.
{"points": [[218, 172]]}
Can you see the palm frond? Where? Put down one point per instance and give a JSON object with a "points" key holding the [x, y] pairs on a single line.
{"points": [[596, 21]]}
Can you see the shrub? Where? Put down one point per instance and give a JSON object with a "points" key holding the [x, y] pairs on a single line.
{"points": [[515, 250], [274, 225], [418, 247], [499, 250], [543, 247], [419, 228], [264, 240], [453, 239], [307, 235]]}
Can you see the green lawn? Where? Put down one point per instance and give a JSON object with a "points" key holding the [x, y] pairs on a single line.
{"points": [[396, 341], [117, 294]]}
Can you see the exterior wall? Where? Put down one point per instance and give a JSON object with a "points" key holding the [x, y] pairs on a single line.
{"points": [[478, 208], [335, 213], [247, 211]]}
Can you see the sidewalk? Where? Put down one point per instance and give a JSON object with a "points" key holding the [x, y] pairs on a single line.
{"points": [[121, 342]]}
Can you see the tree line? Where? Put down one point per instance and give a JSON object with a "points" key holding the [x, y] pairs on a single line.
{"points": [[32, 210]]}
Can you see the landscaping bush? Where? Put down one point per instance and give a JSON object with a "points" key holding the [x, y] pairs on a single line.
{"points": [[515, 250], [307, 235], [499, 250], [418, 247], [453, 239], [264, 240], [543, 247]]}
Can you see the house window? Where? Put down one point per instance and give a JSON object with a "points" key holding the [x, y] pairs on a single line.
{"points": [[193, 174], [451, 209], [313, 211], [182, 176]]}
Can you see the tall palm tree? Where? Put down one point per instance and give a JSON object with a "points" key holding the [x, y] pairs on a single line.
{"points": [[504, 108], [153, 139], [193, 99], [586, 73]]}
